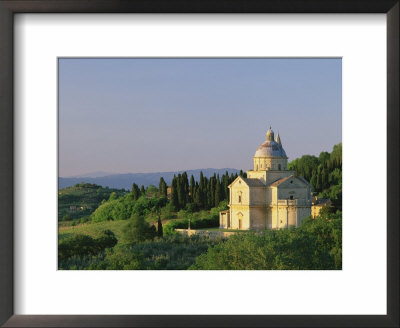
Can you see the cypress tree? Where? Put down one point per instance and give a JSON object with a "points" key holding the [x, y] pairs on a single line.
{"points": [[192, 188], [217, 193], [174, 194], [162, 187], [185, 185], [179, 187], [159, 227], [135, 191], [212, 191], [142, 190]]}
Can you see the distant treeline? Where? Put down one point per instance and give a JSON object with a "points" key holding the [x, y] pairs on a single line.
{"points": [[193, 195]]}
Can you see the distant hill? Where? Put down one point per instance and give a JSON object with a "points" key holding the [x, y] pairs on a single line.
{"points": [[81, 200], [121, 181]]}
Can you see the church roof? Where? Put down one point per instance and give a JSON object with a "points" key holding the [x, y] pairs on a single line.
{"points": [[271, 147], [249, 182], [280, 181], [253, 182]]}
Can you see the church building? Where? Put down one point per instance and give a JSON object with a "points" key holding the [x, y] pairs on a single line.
{"points": [[271, 197]]}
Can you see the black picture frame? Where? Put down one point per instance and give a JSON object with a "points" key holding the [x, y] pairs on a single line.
{"points": [[10, 7]]}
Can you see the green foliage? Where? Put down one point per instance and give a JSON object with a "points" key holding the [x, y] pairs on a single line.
{"points": [[323, 172], [159, 228], [138, 230], [204, 195], [162, 188], [151, 191], [315, 245], [82, 199], [135, 191], [169, 253], [198, 220], [124, 207], [81, 245]]}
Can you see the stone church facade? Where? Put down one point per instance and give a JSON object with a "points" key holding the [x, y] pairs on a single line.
{"points": [[271, 197]]}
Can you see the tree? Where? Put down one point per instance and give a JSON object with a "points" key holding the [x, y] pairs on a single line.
{"points": [[113, 196], [138, 230], [181, 191], [135, 191], [142, 190], [217, 193], [174, 194], [192, 188], [159, 227], [315, 245], [162, 187]]}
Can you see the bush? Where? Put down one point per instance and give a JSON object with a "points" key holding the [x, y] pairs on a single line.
{"points": [[138, 230], [81, 245], [168, 253], [124, 207], [315, 245]]}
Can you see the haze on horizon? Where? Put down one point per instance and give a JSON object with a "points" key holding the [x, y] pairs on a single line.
{"points": [[158, 115]]}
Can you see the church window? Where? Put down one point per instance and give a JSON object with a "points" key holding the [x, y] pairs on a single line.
{"points": [[291, 197], [240, 198]]}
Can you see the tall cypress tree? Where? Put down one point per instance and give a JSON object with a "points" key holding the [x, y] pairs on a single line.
{"points": [[162, 186], [217, 193], [192, 188], [179, 187], [212, 191], [174, 194], [142, 190], [135, 191], [159, 227], [185, 186]]}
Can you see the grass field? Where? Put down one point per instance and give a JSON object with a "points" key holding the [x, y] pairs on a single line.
{"points": [[94, 229]]}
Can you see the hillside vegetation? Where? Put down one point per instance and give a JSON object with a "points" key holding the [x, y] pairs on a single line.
{"points": [[79, 201], [102, 228]]}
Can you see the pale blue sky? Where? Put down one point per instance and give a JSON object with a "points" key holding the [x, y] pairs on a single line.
{"points": [[152, 115]]}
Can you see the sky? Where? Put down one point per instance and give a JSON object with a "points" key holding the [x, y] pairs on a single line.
{"points": [[134, 115]]}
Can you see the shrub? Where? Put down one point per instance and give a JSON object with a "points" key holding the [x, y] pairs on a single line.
{"points": [[81, 245], [138, 230], [315, 245]]}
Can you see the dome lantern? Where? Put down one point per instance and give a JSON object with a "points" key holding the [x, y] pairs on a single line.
{"points": [[270, 155], [270, 135]]}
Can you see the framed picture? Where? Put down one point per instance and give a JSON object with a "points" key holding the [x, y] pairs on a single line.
{"points": [[173, 87]]}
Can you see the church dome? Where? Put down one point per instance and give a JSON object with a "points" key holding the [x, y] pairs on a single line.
{"points": [[271, 147]]}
